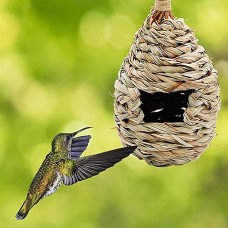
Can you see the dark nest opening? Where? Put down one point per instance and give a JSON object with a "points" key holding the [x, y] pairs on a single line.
{"points": [[164, 107]]}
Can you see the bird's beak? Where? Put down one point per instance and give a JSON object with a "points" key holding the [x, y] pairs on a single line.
{"points": [[76, 132]]}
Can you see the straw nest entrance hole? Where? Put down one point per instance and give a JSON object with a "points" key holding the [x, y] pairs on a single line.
{"points": [[164, 107]]}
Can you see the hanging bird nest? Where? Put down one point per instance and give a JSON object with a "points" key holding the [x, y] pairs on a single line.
{"points": [[167, 94]]}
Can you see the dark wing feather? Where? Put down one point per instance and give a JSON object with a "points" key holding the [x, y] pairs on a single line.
{"points": [[78, 146], [90, 166]]}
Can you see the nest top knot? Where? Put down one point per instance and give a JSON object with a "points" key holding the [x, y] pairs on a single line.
{"points": [[162, 9]]}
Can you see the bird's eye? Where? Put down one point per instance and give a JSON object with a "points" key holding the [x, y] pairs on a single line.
{"points": [[67, 137]]}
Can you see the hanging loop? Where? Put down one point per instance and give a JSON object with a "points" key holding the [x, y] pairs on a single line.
{"points": [[163, 5]]}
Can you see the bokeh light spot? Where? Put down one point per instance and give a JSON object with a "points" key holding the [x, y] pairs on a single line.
{"points": [[12, 74], [122, 31], [94, 28], [34, 101], [9, 30]]}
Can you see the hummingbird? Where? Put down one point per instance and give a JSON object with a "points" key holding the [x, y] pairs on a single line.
{"points": [[63, 165]]}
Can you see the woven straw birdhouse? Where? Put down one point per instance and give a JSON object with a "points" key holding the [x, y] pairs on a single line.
{"points": [[167, 94]]}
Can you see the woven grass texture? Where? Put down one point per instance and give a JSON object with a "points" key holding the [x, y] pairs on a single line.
{"points": [[166, 61]]}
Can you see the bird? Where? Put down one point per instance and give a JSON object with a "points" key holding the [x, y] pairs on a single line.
{"points": [[64, 166]]}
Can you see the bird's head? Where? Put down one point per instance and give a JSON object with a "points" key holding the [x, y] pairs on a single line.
{"points": [[62, 142]]}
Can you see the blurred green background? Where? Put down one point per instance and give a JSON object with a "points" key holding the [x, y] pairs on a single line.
{"points": [[58, 63]]}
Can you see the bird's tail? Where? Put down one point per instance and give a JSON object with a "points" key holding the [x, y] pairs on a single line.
{"points": [[24, 210]]}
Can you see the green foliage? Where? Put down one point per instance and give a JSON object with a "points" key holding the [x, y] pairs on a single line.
{"points": [[58, 63]]}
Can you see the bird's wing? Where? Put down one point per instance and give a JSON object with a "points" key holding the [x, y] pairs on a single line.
{"points": [[78, 146], [90, 166]]}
